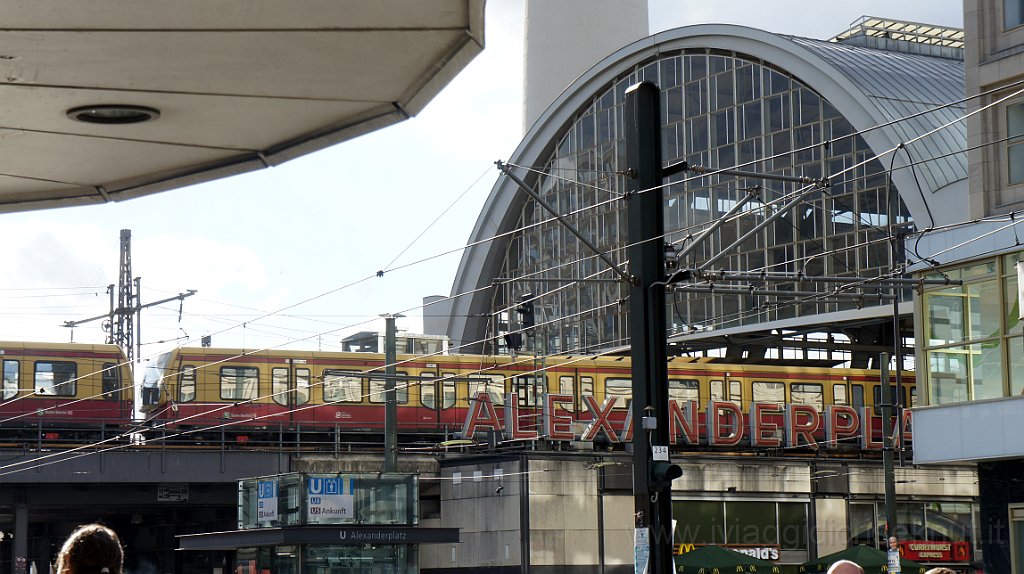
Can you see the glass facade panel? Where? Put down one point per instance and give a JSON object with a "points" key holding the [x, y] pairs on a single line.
{"points": [[755, 523], [973, 343], [719, 110]]}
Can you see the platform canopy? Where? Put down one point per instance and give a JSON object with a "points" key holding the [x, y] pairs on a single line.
{"points": [[113, 99]]}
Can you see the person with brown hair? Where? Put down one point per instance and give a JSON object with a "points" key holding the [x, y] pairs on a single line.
{"points": [[92, 549]]}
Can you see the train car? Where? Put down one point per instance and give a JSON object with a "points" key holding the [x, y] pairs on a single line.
{"points": [[240, 390], [64, 391]]}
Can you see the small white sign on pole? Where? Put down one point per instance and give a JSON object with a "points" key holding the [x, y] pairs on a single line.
{"points": [[641, 550]]}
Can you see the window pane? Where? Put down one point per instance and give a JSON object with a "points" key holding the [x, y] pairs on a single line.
{"points": [[342, 387], [187, 384], [793, 525], [683, 390], [986, 371], [1015, 346], [493, 385], [56, 378], [699, 522], [767, 392], [427, 391], [947, 376], [279, 385], [808, 394], [735, 392], [11, 379], [839, 394], [1013, 14], [620, 388], [751, 523], [717, 389], [985, 309], [239, 382], [378, 390], [301, 386], [945, 317], [447, 394], [862, 524], [111, 382]]}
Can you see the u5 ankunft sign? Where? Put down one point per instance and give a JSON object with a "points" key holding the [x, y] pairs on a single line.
{"points": [[764, 425]]}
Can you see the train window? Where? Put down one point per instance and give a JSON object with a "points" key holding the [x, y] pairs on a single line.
{"points": [[735, 392], [493, 385], [11, 379], [913, 397], [683, 390], [239, 382], [111, 382], [858, 396], [56, 378], [587, 386], [187, 384], [342, 387], [279, 385], [301, 386], [768, 392], [378, 394], [449, 390], [622, 389], [807, 394], [427, 393], [717, 391], [567, 386], [839, 395]]}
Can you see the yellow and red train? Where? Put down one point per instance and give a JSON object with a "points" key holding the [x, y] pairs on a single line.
{"points": [[196, 387], [53, 388]]}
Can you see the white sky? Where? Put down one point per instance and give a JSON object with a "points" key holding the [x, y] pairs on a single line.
{"points": [[321, 226]]}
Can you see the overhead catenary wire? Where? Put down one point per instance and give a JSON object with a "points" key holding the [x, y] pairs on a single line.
{"points": [[307, 300]]}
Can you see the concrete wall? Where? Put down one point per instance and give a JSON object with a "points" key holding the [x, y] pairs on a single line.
{"points": [[567, 37], [992, 58]]}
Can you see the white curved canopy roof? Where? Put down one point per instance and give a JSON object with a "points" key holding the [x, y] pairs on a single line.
{"points": [[238, 84]]}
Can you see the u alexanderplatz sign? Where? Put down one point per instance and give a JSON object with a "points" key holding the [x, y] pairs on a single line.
{"points": [[722, 424]]}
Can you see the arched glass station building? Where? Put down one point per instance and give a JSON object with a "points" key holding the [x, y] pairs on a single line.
{"points": [[730, 96]]}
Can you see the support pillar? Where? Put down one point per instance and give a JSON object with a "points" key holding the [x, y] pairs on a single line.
{"points": [[19, 559]]}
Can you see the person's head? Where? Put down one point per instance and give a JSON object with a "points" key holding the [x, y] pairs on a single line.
{"points": [[940, 570], [92, 549], [893, 543], [845, 567]]}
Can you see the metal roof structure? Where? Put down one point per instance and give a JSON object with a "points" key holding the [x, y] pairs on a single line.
{"points": [[110, 100], [916, 32], [869, 87]]}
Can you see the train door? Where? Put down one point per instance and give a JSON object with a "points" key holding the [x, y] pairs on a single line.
{"points": [[290, 388], [437, 401]]}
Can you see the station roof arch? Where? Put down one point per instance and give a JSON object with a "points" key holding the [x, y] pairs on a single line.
{"points": [[869, 87]]}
